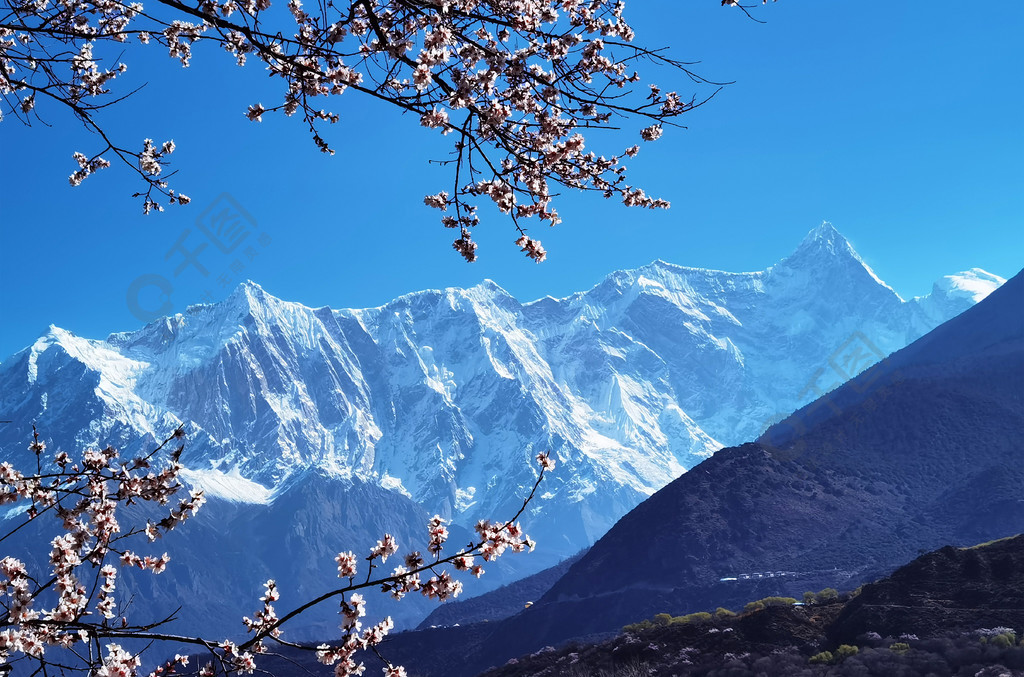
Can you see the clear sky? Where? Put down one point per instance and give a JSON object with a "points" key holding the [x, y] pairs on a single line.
{"points": [[898, 122]]}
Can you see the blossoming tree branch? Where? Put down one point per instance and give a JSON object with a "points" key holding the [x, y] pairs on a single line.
{"points": [[71, 620], [517, 84]]}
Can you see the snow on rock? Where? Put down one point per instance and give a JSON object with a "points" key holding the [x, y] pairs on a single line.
{"points": [[445, 396], [230, 486], [974, 284], [953, 294]]}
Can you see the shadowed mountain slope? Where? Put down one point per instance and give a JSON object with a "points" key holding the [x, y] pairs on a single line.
{"points": [[954, 612], [496, 605], [949, 589], [958, 611]]}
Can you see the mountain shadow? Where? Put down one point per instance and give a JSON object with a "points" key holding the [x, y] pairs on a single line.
{"points": [[955, 611]]}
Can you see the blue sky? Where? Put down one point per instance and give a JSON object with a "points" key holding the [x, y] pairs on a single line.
{"points": [[897, 122]]}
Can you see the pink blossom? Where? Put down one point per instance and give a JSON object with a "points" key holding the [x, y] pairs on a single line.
{"points": [[346, 564]]}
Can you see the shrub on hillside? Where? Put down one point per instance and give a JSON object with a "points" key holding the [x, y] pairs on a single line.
{"points": [[825, 657], [750, 607], [845, 651], [827, 595], [767, 602]]}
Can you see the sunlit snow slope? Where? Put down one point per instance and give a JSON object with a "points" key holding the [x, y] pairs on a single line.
{"points": [[444, 397]]}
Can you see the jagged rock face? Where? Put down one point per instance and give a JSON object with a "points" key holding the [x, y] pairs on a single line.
{"points": [[443, 397]]}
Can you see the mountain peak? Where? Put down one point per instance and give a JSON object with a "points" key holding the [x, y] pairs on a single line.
{"points": [[248, 290], [827, 238], [489, 285], [825, 230], [974, 284], [53, 335], [57, 336], [825, 247], [249, 298]]}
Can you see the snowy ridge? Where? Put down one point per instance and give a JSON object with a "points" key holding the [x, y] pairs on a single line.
{"points": [[974, 284], [954, 291], [442, 398]]}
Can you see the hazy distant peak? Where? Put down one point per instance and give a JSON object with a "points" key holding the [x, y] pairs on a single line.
{"points": [[953, 294], [974, 284]]}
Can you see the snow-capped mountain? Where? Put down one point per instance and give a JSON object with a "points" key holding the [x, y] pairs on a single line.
{"points": [[952, 292], [443, 397]]}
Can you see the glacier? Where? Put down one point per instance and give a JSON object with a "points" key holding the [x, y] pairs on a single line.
{"points": [[437, 401]]}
